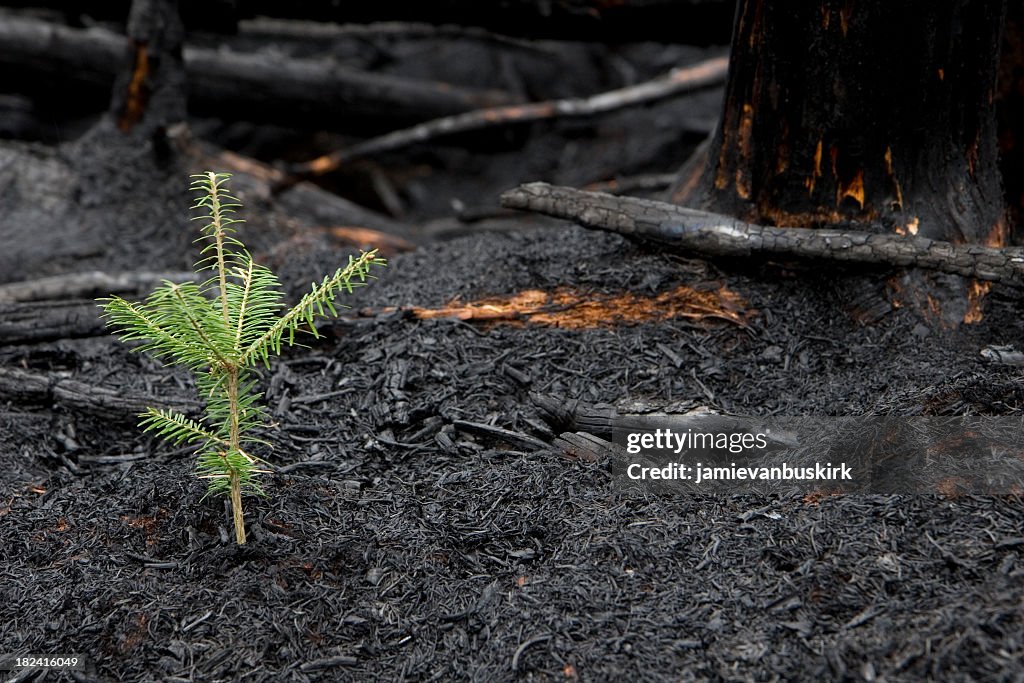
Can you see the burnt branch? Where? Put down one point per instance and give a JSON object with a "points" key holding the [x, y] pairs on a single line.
{"points": [[718, 235], [676, 82]]}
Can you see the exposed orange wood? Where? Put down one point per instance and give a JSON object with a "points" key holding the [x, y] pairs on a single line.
{"points": [[782, 156], [933, 307], [854, 189], [999, 235], [816, 173], [135, 105], [910, 228], [571, 309], [972, 156], [721, 169], [321, 165], [756, 25], [845, 12], [807, 219], [368, 238], [896, 293], [892, 177], [744, 150], [976, 292], [782, 160]]}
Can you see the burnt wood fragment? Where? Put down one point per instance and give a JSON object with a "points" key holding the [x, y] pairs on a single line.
{"points": [[517, 439], [585, 447]]}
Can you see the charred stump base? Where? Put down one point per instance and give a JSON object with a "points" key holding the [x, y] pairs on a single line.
{"points": [[836, 112]]}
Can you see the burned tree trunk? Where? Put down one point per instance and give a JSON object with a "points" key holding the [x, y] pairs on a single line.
{"points": [[1010, 114], [152, 91], [869, 111], [109, 189]]}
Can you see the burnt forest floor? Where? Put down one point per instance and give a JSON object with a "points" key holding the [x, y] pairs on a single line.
{"points": [[396, 547]]}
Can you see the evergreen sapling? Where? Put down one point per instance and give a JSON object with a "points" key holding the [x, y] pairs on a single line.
{"points": [[222, 329]]}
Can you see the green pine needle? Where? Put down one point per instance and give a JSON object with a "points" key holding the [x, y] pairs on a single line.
{"points": [[221, 330]]}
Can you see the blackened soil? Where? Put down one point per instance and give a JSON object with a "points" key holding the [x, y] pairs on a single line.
{"points": [[394, 546]]}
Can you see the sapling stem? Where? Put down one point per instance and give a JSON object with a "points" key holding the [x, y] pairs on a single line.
{"points": [[235, 478], [222, 329]]}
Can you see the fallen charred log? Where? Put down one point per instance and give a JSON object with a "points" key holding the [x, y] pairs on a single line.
{"points": [[23, 387], [234, 85], [692, 21], [718, 235], [91, 284], [23, 323]]}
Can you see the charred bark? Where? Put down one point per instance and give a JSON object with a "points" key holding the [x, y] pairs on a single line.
{"points": [[1010, 115], [835, 111]]}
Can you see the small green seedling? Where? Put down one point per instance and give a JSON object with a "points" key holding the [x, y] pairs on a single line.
{"points": [[222, 329]]}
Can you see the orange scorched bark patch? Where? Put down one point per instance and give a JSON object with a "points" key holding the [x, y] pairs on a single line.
{"points": [[976, 292], [743, 188], [573, 309], [138, 91]]}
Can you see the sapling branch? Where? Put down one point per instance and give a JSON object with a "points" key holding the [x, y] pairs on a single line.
{"points": [[221, 330]]}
